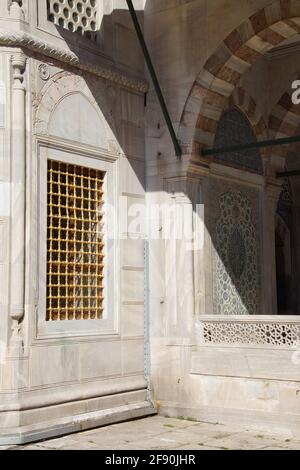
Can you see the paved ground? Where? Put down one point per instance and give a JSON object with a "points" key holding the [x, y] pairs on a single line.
{"points": [[168, 434]]}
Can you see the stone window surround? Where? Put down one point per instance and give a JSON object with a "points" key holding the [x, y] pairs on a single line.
{"points": [[70, 329]]}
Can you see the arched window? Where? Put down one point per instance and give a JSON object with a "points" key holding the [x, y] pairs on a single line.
{"points": [[234, 129]]}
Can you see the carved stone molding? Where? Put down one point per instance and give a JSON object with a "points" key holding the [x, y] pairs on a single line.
{"points": [[36, 45]]}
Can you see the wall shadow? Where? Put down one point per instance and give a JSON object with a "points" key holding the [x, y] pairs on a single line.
{"points": [[115, 47], [234, 229]]}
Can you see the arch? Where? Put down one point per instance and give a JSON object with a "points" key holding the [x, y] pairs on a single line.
{"points": [[224, 68], [285, 117], [241, 99], [75, 118], [65, 86], [284, 120]]}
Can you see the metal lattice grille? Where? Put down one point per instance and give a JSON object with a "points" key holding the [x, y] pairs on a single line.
{"points": [[75, 251]]}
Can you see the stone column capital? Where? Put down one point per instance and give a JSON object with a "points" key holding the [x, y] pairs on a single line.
{"points": [[16, 9], [18, 61]]}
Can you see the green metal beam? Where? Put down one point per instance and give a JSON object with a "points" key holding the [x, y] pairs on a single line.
{"points": [[154, 78], [254, 145], [288, 174]]}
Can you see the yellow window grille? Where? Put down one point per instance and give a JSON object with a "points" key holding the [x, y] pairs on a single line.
{"points": [[75, 246]]}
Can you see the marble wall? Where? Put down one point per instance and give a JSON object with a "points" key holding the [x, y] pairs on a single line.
{"points": [[210, 57], [62, 98]]}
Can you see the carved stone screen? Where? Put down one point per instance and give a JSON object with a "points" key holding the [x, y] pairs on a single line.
{"points": [[79, 16], [260, 333]]}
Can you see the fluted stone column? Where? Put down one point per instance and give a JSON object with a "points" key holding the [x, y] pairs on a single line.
{"points": [[18, 198]]}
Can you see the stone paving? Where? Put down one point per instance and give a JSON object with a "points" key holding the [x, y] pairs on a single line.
{"points": [[160, 433]]}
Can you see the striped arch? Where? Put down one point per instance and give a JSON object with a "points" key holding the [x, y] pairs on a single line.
{"points": [[223, 70], [243, 102], [241, 99], [284, 120]]}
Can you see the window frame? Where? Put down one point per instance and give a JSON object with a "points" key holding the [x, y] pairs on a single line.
{"points": [[109, 324]]}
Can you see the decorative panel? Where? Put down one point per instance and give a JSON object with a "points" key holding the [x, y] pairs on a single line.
{"points": [[79, 16], [251, 333], [236, 274]]}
